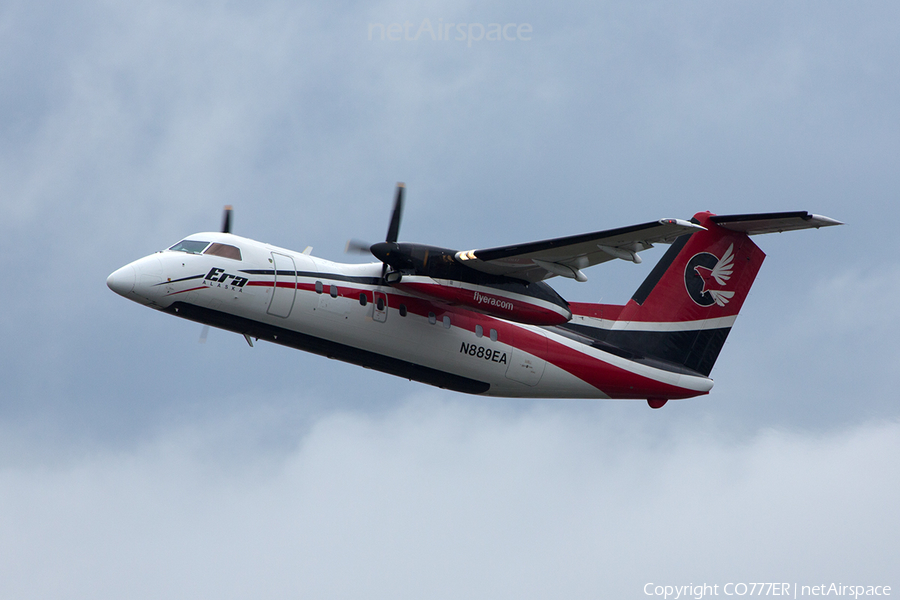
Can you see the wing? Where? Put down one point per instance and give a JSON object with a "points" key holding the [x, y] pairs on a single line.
{"points": [[566, 256]]}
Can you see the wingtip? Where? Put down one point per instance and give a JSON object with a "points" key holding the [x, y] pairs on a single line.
{"points": [[821, 221], [682, 223]]}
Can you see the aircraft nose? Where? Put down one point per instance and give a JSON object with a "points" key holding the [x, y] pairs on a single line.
{"points": [[122, 280]]}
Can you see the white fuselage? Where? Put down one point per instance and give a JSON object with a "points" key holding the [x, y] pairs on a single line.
{"points": [[344, 311]]}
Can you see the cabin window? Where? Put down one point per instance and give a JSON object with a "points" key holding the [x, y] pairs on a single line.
{"points": [[332, 289], [224, 250], [363, 299], [446, 322], [319, 287], [479, 331], [379, 303], [190, 246], [431, 318], [494, 335], [402, 310]]}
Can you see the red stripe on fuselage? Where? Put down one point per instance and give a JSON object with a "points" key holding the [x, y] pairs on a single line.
{"points": [[495, 304], [615, 382], [202, 287]]}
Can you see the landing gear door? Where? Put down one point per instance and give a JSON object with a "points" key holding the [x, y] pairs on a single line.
{"points": [[379, 311], [285, 289]]}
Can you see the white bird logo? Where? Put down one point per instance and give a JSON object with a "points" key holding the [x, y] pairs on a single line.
{"points": [[720, 273]]}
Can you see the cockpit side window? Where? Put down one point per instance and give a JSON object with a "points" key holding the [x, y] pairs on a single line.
{"points": [[224, 250], [190, 246]]}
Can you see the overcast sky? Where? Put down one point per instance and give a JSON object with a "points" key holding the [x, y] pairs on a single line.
{"points": [[136, 462]]}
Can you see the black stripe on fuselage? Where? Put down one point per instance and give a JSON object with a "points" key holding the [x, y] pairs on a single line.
{"points": [[452, 271], [177, 280], [692, 352], [327, 348], [316, 275]]}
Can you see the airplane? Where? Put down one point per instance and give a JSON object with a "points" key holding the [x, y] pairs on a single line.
{"points": [[481, 321]]}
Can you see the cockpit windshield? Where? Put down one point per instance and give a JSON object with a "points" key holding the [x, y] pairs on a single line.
{"points": [[190, 246], [224, 250]]}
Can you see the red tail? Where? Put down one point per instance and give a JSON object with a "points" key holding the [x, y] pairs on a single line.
{"points": [[703, 276], [684, 310]]}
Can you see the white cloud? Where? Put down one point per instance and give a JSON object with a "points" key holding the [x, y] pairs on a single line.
{"points": [[452, 499], [855, 299], [815, 346]]}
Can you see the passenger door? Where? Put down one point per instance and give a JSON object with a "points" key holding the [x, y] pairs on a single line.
{"points": [[285, 289]]}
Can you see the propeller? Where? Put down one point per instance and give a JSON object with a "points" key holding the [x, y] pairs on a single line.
{"points": [[226, 228], [382, 250], [355, 246], [226, 222], [394, 227]]}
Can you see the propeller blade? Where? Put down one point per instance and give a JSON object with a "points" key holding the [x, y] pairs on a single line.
{"points": [[226, 223], [203, 334], [382, 250], [394, 227], [357, 247]]}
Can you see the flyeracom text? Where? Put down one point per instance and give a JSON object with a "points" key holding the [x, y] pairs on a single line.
{"points": [[790, 590]]}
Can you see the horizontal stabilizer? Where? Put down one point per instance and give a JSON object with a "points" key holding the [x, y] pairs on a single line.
{"points": [[754, 224]]}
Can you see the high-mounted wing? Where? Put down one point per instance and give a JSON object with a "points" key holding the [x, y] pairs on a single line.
{"points": [[566, 256]]}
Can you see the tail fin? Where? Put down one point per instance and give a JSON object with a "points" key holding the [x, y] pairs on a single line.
{"points": [[684, 310]]}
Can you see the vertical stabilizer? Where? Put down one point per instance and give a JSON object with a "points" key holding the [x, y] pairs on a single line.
{"points": [[684, 310]]}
